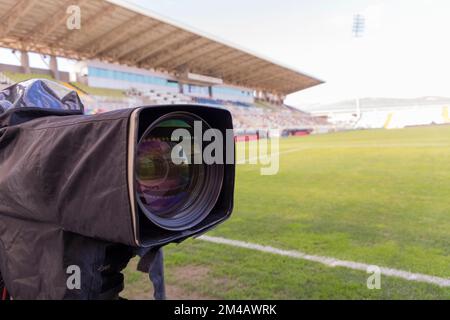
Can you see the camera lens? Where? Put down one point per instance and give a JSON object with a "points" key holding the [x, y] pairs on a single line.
{"points": [[173, 191]]}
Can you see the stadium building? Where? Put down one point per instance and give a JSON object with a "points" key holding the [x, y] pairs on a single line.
{"points": [[385, 113], [128, 56], [99, 74]]}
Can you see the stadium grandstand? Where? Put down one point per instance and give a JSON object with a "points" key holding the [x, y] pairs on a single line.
{"points": [[387, 113], [129, 56]]}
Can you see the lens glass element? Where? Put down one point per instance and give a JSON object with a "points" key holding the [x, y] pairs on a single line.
{"points": [[174, 192]]}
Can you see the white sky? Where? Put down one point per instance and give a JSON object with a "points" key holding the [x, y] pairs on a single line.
{"points": [[405, 51]]}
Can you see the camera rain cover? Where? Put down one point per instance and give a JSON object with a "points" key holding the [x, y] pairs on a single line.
{"points": [[66, 187], [59, 172]]}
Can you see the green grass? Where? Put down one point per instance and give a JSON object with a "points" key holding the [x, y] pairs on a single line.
{"points": [[379, 197], [103, 92]]}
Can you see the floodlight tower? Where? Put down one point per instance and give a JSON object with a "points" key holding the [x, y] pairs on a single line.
{"points": [[359, 25]]}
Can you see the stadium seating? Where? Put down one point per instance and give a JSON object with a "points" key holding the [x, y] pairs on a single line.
{"points": [[208, 101], [279, 117], [416, 117], [247, 117], [401, 118]]}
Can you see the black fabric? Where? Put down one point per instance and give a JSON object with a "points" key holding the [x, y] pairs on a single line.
{"points": [[70, 172], [52, 181], [152, 262], [55, 203], [39, 270], [53, 208]]}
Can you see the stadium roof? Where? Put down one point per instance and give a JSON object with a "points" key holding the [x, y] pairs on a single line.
{"points": [[119, 32]]}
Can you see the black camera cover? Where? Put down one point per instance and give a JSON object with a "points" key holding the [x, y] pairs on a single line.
{"points": [[42, 129], [64, 191]]}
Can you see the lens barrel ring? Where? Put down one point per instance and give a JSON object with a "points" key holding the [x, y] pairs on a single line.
{"points": [[205, 189]]}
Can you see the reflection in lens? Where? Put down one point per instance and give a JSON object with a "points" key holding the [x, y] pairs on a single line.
{"points": [[179, 195]]}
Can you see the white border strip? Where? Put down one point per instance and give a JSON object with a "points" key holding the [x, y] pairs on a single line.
{"points": [[331, 262]]}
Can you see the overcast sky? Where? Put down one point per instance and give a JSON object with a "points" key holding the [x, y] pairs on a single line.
{"points": [[405, 51]]}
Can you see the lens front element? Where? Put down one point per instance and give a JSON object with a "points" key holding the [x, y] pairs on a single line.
{"points": [[173, 191]]}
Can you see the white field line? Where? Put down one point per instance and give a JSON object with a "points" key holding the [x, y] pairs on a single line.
{"points": [[329, 261]]}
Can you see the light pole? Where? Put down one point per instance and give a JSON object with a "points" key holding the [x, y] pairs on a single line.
{"points": [[359, 24]]}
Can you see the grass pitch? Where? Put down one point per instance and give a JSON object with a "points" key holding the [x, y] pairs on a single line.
{"points": [[379, 197]]}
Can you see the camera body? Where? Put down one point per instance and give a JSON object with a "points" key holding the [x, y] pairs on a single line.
{"points": [[150, 234], [72, 183], [75, 171]]}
